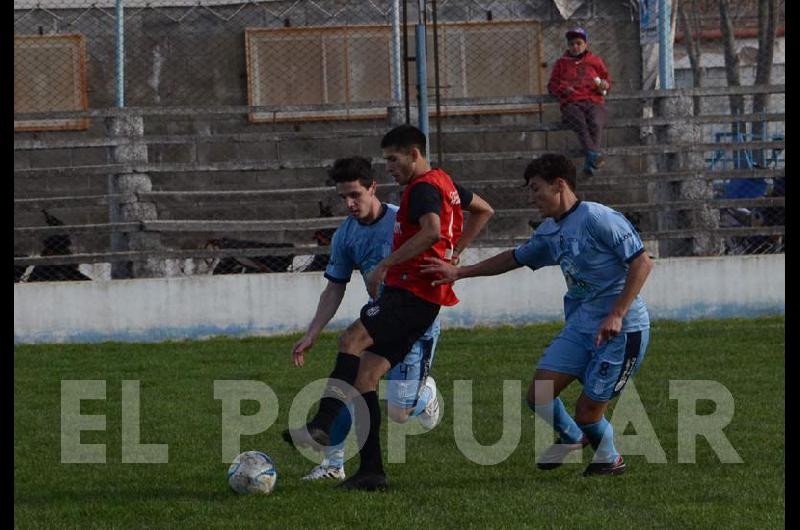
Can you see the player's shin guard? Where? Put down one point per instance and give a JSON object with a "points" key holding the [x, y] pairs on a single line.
{"points": [[601, 437], [369, 439], [336, 394], [559, 419]]}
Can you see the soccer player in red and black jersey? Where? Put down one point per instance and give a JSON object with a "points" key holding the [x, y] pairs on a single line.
{"points": [[430, 224]]}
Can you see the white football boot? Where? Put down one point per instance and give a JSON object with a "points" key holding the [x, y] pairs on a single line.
{"points": [[324, 471], [431, 415]]}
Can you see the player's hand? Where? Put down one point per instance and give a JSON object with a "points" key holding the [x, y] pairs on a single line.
{"points": [[447, 272], [456, 258], [609, 328], [300, 348], [375, 279]]}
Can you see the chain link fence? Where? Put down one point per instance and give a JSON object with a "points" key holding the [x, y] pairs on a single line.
{"points": [[233, 111]]}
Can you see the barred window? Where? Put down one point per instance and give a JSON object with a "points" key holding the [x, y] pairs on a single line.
{"points": [[319, 66], [348, 69], [61, 86]]}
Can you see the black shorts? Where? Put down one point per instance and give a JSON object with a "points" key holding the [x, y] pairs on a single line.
{"points": [[395, 321]]}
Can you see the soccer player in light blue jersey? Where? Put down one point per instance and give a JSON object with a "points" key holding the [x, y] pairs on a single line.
{"points": [[361, 242], [607, 325]]}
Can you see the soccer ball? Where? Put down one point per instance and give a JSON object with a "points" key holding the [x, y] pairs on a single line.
{"points": [[252, 472]]}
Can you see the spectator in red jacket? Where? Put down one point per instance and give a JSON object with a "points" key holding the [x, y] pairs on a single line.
{"points": [[580, 80]]}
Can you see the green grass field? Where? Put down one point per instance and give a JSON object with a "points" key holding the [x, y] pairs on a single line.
{"points": [[438, 486]]}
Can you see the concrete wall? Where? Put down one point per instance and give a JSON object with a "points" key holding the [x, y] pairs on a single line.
{"points": [[267, 304], [196, 56], [179, 56]]}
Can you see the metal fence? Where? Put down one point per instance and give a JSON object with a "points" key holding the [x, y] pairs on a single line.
{"points": [[234, 110]]}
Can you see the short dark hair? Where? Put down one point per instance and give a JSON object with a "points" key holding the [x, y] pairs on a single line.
{"points": [[405, 137], [551, 166], [350, 169]]}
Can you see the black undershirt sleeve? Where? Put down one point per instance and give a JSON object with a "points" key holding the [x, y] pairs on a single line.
{"points": [[425, 198], [464, 195]]}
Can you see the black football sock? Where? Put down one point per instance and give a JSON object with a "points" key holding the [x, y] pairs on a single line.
{"points": [[370, 452], [336, 394]]}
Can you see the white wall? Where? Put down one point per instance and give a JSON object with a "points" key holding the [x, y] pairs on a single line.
{"points": [[267, 304]]}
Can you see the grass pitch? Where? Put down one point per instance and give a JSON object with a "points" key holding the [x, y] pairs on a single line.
{"points": [[438, 486]]}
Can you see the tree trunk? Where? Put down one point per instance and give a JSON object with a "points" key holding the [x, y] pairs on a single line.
{"points": [[693, 50], [767, 22], [732, 72]]}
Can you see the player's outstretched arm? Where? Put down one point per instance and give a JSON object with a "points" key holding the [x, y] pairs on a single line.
{"points": [[428, 235], [480, 212], [449, 273], [329, 302], [638, 271]]}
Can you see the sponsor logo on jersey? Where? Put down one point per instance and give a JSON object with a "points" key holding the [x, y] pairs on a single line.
{"points": [[623, 239], [374, 310]]}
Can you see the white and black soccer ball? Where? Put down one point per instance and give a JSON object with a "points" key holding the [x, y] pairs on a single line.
{"points": [[252, 472]]}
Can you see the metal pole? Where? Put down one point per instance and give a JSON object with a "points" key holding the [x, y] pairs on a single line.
{"points": [[397, 87], [405, 61], [120, 55], [422, 76], [118, 269], [437, 92], [665, 71]]}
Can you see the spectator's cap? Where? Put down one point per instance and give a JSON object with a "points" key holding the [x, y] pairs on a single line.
{"points": [[577, 33]]}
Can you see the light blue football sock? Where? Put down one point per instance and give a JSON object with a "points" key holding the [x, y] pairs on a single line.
{"points": [[334, 454], [601, 436], [555, 414], [422, 402]]}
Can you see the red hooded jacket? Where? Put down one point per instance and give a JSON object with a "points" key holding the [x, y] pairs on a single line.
{"points": [[578, 73]]}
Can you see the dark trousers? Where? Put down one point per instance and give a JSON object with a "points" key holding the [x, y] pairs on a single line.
{"points": [[587, 119]]}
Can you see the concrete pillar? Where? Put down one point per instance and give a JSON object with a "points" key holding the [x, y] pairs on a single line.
{"points": [[396, 115], [127, 207], [701, 190], [703, 220], [662, 192], [650, 164]]}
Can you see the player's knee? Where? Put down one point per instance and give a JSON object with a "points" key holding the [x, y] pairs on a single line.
{"points": [[347, 341], [540, 393], [343, 341], [397, 414], [366, 382], [589, 412], [586, 417], [531, 396]]}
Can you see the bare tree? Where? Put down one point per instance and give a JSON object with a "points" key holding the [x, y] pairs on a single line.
{"points": [[693, 50], [732, 71], [767, 22]]}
